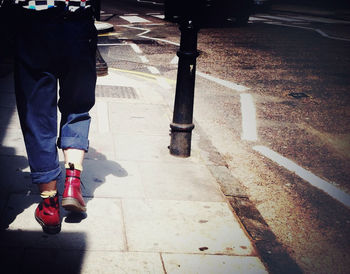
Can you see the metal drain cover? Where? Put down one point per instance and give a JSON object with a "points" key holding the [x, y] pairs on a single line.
{"points": [[116, 92]]}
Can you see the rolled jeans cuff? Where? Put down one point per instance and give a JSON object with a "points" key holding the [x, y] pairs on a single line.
{"points": [[45, 176], [73, 142]]}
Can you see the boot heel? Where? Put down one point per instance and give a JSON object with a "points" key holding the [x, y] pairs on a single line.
{"points": [[72, 204]]}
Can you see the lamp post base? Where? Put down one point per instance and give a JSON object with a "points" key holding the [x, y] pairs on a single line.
{"points": [[180, 144]]}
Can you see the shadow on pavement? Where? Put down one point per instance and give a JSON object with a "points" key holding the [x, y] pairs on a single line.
{"points": [[21, 194], [35, 252]]}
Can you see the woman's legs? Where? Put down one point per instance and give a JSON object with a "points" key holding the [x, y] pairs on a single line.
{"points": [[77, 96]]}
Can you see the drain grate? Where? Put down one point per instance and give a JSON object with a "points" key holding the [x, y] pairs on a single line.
{"points": [[116, 92]]}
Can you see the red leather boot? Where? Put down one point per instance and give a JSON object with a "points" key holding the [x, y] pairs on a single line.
{"points": [[72, 199], [47, 215]]}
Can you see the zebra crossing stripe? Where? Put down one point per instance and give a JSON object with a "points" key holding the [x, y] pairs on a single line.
{"points": [[135, 19]]}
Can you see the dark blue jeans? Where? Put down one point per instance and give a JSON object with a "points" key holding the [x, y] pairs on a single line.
{"points": [[51, 47]]}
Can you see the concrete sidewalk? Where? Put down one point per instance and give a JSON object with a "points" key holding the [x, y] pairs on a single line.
{"points": [[147, 211]]}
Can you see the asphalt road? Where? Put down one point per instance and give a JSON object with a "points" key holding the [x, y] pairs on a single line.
{"points": [[273, 97]]}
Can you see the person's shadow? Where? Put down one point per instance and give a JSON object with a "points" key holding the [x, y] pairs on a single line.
{"points": [[96, 169], [18, 193]]}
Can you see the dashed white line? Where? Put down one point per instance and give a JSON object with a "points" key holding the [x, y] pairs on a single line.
{"points": [[175, 60], [253, 18], [153, 70], [308, 176], [280, 18], [135, 19], [143, 59], [160, 16], [249, 132], [136, 48]]}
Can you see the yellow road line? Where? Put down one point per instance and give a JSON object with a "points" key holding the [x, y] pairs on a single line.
{"points": [[145, 75], [110, 34]]}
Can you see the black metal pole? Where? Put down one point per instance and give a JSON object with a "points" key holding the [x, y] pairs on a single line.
{"points": [[182, 124]]}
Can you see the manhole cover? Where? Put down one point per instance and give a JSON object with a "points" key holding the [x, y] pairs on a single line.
{"points": [[116, 92], [298, 95]]}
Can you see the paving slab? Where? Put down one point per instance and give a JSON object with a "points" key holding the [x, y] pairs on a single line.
{"points": [[7, 84], [9, 118], [183, 227], [3, 202], [112, 179], [179, 181], [11, 259], [207, 264], [115, 78], [13, 139], [139, 119], [44, 260], [121, 262], [15, 174], [94, 121], [93, 231], [101, 146], [8, 100], [150, 148]]}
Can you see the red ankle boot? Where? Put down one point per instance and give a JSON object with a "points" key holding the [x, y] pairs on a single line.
{"points": [[47, 215], [72, 199]]}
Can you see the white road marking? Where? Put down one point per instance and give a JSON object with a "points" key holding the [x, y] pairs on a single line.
{"points": [[321, 20], [308, 176], [134, 19], [160, 16], [102, 116], [142, 35], [143, 59], [249, 132], [285, 25], [112, 44], [330, 37], [175, 60], [107, 14], [103, 26], [150, 2], [280, 18], [136, 48], [253, 18], [153, 70], [308, 28], [224, 83]]}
